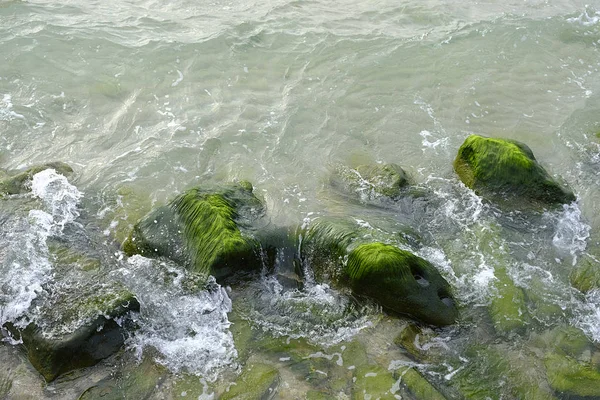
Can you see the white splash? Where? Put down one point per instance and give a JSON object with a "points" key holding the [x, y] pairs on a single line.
{"points": [[586, 18], [571, 232], [186, 325], [23, 278]]}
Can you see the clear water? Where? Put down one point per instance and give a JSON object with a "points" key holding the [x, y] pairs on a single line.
{"points": [[145, 99]]}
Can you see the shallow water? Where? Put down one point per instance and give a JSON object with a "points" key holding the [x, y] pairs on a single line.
{"points": [[145, 99]]}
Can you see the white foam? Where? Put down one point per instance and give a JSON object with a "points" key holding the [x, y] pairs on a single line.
{"points": [[29, 269], [317, 313], [586, 18], [571, 232], [187, 326], [58, 195], [588, 316], [6, 109]]}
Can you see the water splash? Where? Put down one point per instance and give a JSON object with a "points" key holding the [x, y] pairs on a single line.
{"points": [[182, 318], [28, 270], [571, 232]]}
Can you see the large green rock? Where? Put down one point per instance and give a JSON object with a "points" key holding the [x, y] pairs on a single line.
{"points": [[370, 181], [504, 170], [77, 329], [18, 183], [208, 229], [397, 279]]}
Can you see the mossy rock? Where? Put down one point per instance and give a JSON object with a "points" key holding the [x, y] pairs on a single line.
{"points": [[348, 255], [257, 382], [401, 282], [19, 183], [504, 170], [418, 386], [508, 308], [572, 378], [135, 381], [408, 339], [497, 372], [84, 330], [373, 382], [207, 229], [586, 275], [370, 182]]}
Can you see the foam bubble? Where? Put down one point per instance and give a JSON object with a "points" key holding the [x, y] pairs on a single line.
{"points": [[28, 270], [586, 18], [588, 316], [571, 232], [186, 324]]}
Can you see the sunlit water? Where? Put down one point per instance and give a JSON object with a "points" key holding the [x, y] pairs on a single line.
{"points": [[145, 99]]}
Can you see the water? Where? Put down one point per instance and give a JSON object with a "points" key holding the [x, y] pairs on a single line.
{"points": [[145, 99]]}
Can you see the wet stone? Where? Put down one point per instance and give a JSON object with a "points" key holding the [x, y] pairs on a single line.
{"points": [[76, 330]]}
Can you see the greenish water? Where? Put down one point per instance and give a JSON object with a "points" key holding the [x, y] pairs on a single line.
{"points": [[145, 99]]}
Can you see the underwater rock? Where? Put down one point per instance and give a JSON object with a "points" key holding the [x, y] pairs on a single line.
{"points": [[373, 382], [18, 184], [84, 330], [207, 229], [586, 275], [505, 170], [397, 279], [508, 309], [258, 381], [370, 181], [571, 368]]}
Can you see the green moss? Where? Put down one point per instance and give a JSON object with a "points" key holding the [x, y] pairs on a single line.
{"points": [[401, 282], [373, 382], [508, 308], [586, 275], [506, 169], [419, 386], [570, 377], [408, 338], [258, 381], [64, 257], [202, 228], [19, 183], [496, 372]]}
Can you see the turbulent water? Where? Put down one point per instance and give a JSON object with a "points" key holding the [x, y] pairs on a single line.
{"points": [[147, 98]]}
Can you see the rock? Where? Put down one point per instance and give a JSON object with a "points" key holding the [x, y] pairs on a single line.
{"points": [[571, 378], [18, 184], [586, 275], [397, 279], [370, 182], [208, 229], [506, 170], [508, 309], [419, 386], [373, 382], [85, 328], [258, 381]]}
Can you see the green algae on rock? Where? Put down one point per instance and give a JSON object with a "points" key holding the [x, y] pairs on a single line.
{"points": [[207, 229], [503, 169], [84, 330], [397, 279], [370, 181], [258, 381], [586, 275], [18, 183]]}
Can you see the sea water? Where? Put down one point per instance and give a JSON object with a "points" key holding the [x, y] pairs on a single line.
{"points": [[146, 98]]}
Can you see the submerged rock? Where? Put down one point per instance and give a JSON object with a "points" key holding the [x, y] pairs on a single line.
{"points": [[208, 229], [369, 182], [18, 183], [258, 381], [76, 329], [504, 170], [397, 279]]}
